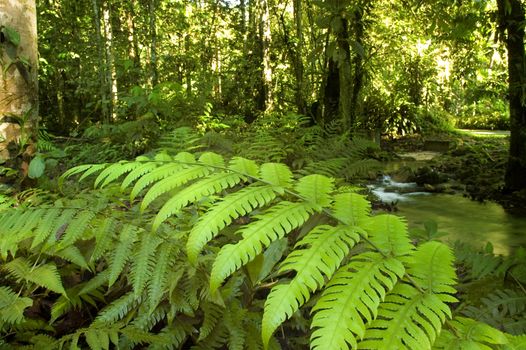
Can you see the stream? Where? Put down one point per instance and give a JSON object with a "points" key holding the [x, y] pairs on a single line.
{"points": [[461, 218]]}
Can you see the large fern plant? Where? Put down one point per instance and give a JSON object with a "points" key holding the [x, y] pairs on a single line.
{"points": [[207, 253]]}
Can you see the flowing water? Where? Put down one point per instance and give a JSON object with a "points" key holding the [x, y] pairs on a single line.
{"points": [[461, 218]]}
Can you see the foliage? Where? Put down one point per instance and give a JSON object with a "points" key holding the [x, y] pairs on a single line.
{"points": [[209, 252]]}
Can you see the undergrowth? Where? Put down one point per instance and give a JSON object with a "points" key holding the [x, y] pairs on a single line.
{"points": [[192, 249]]}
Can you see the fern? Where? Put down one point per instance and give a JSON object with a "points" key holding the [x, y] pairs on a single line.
{"points": [[44, 275], [12, 307], [326, 247], [465, 333], [412, 315], [220, 253]]}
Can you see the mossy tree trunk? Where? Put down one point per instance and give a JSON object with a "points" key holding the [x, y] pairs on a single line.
{"points": [[511, 18], [18, 82]]}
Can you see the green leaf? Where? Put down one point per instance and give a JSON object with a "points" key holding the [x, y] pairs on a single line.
{"points": [[36, 167], [11, 35]]}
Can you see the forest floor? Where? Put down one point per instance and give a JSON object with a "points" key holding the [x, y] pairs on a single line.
{"points": [[474, 160]]}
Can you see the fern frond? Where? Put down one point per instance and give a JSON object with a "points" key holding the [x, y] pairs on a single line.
{"points": [[97, 339], [389, 234], [351, 300], [45, 275], [161, 176], [351, 208], [12, 306], [72, 254], [113, 172], [316, 189], [234, 322], [222, 213], [212, 317], [276, 174], [143, 262], [270, 226], [158, 281], [76, 228], [465, 333], [412, 316], [122, 251], [326, 247], [104, 233], [45, 227], [213, 184], [117, 309], [481, 264], [172, 182], [502, 309]]}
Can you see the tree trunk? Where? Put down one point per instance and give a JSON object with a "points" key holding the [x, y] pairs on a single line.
{"points": [[153, 43], [359, 32], [298, 59], [110, 61], [265, 42], [511, 16], [102, 63], [346, 85], [18, 82]]}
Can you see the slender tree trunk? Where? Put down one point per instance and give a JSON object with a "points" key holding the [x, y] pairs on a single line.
{"points": [[359, 32], [111, 73], [266, 39], [133, 51], [153, 43], [511, 16], [346, 87], [298, 66], [102, 63], [18, 82]]}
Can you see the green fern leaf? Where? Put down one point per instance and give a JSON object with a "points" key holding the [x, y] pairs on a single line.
{"points": [[86, 170], [276, 174], [97, 339], [465, 333], [351, 300], [274, 224], [74, 255], [117, 309], [76, 228], [389, 234], [160, 172], [12, 306], [45, 275], [316, 189], [104, 234], [60, 227], [244, 166], [158, 282], [45, 227], [213, 316], [143, 262], [113, 172], [143, 168], [410, 317], [122, 251], [351, 208], [222, 213], [212, 184], [327, 246]]}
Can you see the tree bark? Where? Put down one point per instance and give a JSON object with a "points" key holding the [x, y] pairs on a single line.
{"points": [[102, 63], [298, 59], [18, 82], [511, 18], [266, 39], [346, 85], [153, 43], [110, 61]]}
